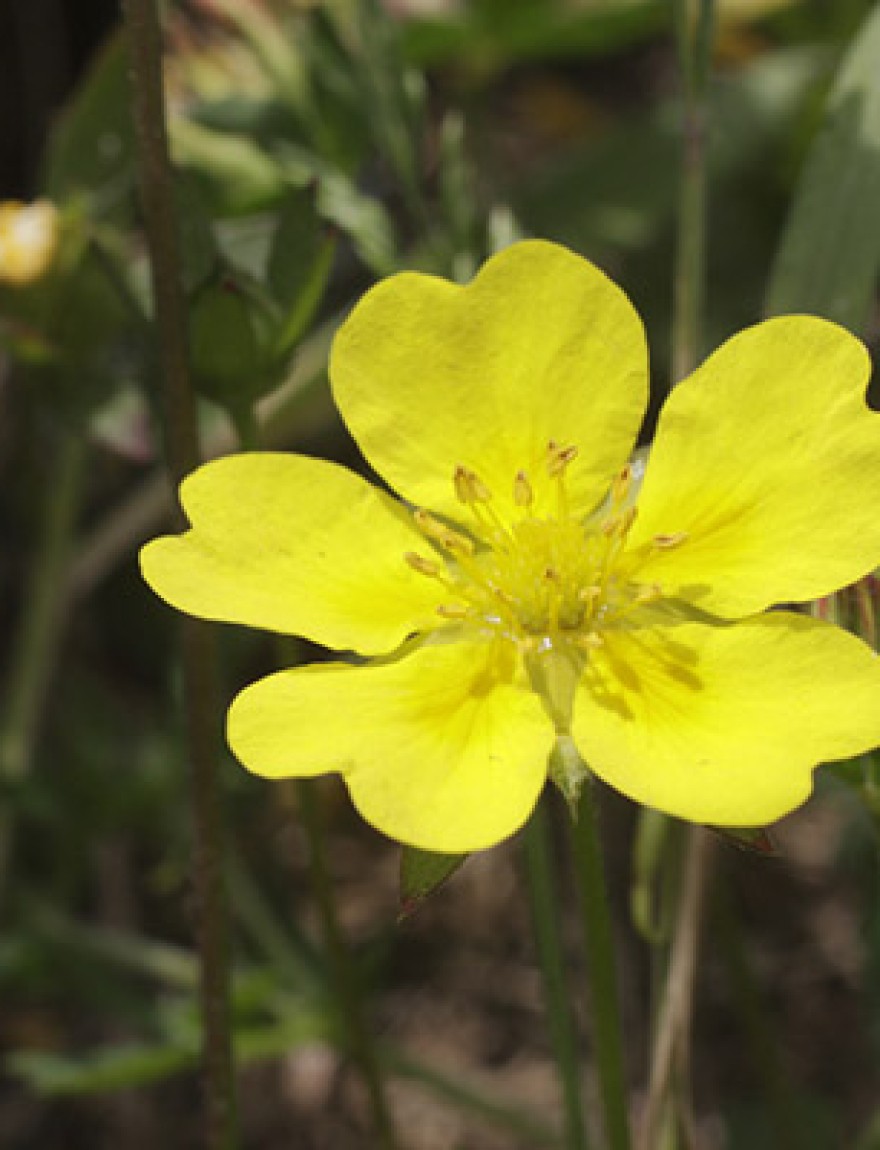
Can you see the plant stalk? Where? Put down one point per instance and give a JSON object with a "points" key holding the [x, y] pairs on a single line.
{"points": [[671, 1047], [345, 976], [548, 943], [198, 647], [694, 30], [599, 948], [36, 641]]}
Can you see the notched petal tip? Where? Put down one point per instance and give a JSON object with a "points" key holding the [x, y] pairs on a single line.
{"points": [[298, 546], [540, 346]]}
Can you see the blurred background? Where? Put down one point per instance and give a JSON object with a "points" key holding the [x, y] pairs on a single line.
{"points": [[320, 146]]}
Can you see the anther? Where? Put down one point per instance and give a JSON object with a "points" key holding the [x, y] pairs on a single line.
{"points": [[589, 594], [453, 611], [620, 524], [499, 593], [523, 495], [558, 458], [620, 486], [456, 544], [667, 542], [469, 487], [439, 533], [423, 566], [649, 594]]}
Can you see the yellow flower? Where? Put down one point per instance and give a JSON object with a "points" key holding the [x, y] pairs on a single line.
{"points": [[28, 240], [517, 595]]}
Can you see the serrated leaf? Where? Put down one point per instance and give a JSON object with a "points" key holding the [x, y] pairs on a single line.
{"points": [[830, 251]]}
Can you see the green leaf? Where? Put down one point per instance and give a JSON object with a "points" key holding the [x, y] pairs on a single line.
{"points": [[296, 245], [299, 265], [493, 33], [363, 219], [232, 331], [92, 145], [421, 873], [830, 251], [199, 254], [234, 174]]}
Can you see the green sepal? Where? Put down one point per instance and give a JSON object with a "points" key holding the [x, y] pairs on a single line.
{"points": [[755, 840], [568, 772], [421, 873]]}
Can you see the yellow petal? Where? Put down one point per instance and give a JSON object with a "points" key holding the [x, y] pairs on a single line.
{"points": [[540, 346], [443, 749], [769, 460], [723, 724], [295, 545]]}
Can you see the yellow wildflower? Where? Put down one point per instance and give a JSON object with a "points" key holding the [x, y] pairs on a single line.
{"points": [[28, 240], [528, 587]]}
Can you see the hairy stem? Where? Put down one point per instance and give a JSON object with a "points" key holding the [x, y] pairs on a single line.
{"points": [[198, 648]]}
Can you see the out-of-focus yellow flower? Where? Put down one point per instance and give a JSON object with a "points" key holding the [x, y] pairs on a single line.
{"points": [[28, 240], [528, 589]]}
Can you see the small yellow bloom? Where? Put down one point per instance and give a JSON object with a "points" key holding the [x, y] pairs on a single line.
{"points": [[529, 585], [28, 240]]}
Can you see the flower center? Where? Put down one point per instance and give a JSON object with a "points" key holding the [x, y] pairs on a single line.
{"points": [[542, 582]]}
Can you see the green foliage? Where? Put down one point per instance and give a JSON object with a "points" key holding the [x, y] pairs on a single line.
{"points": [[830, 253], [348, 145], [91, 150]]}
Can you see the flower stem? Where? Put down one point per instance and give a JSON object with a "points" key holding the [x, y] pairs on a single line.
{"points": [[785, 1122], [671, 1043], [589, 865], [345, 977], [198, 647], [548, 942], [37, 637], [694, 27]]}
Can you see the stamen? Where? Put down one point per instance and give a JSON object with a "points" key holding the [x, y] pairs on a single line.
{"points": [[506, 598], [453, 611], [619, 525], [558, 458], [648, 594], [523, 495], [620, 487], [469, 487], [667, 542], [544, 579], [452, 541], [423, 566]]}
